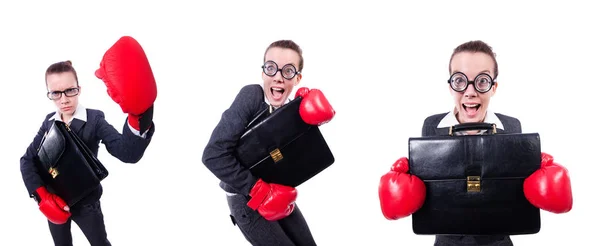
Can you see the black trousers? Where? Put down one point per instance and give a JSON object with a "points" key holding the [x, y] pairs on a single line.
{"points": [[291, 230], [90, 220]]}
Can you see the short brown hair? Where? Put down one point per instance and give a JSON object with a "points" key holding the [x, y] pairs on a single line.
{"points": [[287, 44], [476, 46], [61, 67]]}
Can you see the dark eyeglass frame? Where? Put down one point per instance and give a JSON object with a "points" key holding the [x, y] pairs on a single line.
{"points": [[68, 93], [280, 70], [472, 82]]}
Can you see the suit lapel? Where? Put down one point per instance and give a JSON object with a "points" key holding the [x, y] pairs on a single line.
{"points": [[442, 131], [76, 125]]}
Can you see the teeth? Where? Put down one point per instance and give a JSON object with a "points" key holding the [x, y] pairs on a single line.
{"points": [[471, 105], [277, 89]]}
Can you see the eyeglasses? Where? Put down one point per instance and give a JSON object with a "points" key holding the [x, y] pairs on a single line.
{"points": [[55, 95], [482, 83], [288, 71]]}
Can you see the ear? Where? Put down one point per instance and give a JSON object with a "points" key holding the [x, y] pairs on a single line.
{"points": [[493, 91], [298, 78]]}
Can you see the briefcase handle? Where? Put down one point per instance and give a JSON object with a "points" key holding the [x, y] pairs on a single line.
{"points": [[472, 126]]}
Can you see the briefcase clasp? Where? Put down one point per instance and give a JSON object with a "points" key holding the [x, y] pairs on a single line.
{"points": [[276, 155], [53, 172], [473, 184]]}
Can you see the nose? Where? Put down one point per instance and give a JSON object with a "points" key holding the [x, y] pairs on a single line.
{"points": [[64, 99], [470, 91], [278, 77]]}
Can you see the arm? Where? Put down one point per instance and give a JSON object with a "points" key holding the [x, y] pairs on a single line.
{"points": [[127, 147], [29, 171], [51, 205], [137, 132], [400, 193], [218, 154]]}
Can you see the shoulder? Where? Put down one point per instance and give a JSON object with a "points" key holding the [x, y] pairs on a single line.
{"points": [[434, 120], [511, 124], [251, 91], [95, 116], [93, 113], [508, 120], [249, 97], [47, 120], [48, 116], [431, 123]]}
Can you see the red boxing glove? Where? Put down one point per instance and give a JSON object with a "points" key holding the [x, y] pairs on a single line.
{"points": [[129, 81], [549, 188], [301, 92], [273, 201], [52, 206], [315, 109], [400, 194]]}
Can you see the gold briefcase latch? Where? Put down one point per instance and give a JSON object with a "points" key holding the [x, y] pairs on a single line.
{"points": [[53, 172], [473, 184], [276, 155]]}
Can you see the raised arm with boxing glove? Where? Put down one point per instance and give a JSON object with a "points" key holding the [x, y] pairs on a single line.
{"points": [[129, 81]]}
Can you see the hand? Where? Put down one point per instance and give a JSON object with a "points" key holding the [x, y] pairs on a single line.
{"points": [[549, 188], [400, 194], [129, 80], [273, 201], [315, 109], [52, 206]]}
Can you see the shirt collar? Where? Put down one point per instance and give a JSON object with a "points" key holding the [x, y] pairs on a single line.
{"points": [[80, 114], [450, 119]]}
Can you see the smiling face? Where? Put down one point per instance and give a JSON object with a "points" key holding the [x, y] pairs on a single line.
{"points": [[277, 88], [471, 105]]}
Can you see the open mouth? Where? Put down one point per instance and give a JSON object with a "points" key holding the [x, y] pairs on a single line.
{"points": [[277, 92], [471, 108]]}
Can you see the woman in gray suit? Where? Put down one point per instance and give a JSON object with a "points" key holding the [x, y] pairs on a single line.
{"points": [[472, 83]]}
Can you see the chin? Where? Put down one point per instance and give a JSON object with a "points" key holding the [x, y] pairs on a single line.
{"points": [[70, 112], [277, 103], [476, 119]]}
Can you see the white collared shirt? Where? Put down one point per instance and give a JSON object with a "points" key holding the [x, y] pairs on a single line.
{"points": [[450, 120], [81, 114]]}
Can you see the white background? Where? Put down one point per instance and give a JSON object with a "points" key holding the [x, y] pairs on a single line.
{"points": [[382, 66]]}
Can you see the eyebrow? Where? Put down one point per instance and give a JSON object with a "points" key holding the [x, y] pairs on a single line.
{"points": [[292, 63], [484, 71]]}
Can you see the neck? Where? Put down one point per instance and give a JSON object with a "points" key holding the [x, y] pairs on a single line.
{"points": [[473, 132], [65, 118]]}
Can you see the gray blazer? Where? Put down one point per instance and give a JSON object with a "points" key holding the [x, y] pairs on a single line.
{"points": [[430, 128], [218, 155]]}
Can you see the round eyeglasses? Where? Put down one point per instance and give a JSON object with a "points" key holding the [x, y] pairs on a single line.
{"points": [[55, 95], [482, 83], [288, 71]]}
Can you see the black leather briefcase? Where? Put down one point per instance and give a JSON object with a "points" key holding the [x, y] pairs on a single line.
{"points": [[279, 147], [67, 165], [475, 182]]}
